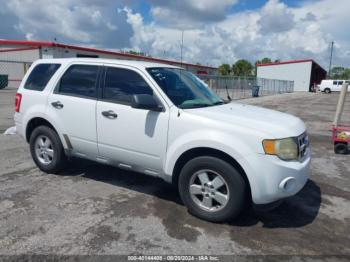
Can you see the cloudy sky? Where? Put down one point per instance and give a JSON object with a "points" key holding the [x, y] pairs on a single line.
{"points": [[215, 31]]}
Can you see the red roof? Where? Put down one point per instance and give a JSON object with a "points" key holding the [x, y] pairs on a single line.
{"points": [[88, 49], [289, 62]]}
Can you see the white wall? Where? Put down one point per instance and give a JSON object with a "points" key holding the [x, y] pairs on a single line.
{"points": [[300, 73], [15, 64], [21, 55]]}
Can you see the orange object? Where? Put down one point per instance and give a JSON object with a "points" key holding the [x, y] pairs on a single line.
{"points": [[269, 147]]}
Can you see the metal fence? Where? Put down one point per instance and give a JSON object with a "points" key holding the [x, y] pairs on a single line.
{"points": [[12, 72], [234, 87]]}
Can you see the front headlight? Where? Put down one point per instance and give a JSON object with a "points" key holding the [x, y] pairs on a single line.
{"points": [[286, 148]]}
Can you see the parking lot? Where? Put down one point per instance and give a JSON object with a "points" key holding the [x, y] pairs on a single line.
{"points": [[95, 209]]}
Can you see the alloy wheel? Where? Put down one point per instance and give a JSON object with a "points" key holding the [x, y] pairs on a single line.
{"points": [[44, 149], [209, 190]]}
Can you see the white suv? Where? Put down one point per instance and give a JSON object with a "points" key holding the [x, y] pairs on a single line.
{"points": [[163, 121]]}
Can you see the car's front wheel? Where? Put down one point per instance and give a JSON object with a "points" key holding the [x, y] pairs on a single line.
{"points": [[212, 189], [47, 150], [327, 90]]}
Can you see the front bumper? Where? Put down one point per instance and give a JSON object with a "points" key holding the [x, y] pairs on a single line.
{"points": [[272, 179]]}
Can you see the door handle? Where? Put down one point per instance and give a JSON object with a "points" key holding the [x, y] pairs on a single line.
{"points": [[109, 114], [57, 104]]}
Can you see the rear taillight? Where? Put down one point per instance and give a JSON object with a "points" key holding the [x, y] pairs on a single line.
{"points": [[18, 100]]}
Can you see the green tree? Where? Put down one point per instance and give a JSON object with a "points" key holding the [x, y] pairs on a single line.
{"points": [[338, 72], [135, 53], [224, 69], [347, 73], [243, 68], [265, 60]]}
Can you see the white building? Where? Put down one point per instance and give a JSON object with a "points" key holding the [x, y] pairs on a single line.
{"points": [[304, 73], [16, 56]]}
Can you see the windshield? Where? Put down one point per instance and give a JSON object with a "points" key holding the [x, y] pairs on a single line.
{"points": [[183, 88]]}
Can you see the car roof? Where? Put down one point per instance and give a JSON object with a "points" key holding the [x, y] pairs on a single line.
{"points": [[137, 64]]}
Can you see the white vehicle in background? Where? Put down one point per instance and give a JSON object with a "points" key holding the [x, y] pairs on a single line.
{"points": [[331, 85], [163, 121]]}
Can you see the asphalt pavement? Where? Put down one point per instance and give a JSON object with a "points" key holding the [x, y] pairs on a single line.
{"points": [[95, 209]]}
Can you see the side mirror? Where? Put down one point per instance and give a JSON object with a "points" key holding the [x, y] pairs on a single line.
{"points": [[147, 102]]}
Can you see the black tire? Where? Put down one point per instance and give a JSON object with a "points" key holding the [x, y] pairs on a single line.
{"points": [[341, 148], [59, 159], [327, 90], [268, 207], [234, 182]]}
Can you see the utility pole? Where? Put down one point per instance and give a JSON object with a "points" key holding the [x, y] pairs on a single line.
{"points": [[182, 44], [330, 60]]}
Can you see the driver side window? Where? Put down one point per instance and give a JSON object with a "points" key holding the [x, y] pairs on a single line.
{"points": [[121, 84], [172, 85]]}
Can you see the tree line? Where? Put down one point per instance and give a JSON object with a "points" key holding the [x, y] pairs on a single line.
{"points": [[339, 72], [243, 67]]}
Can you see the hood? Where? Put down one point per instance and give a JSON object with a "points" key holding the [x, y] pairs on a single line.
{"points": [[275, 124]]}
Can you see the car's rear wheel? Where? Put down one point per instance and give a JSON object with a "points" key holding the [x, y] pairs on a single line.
{"points": [[212, 189], [327, 90], [47, 150]]}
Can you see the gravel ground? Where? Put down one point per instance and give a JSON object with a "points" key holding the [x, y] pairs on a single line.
{"points": [[94, 209]]}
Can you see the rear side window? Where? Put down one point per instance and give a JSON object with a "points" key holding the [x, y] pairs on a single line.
{"points": [[40, 76], [335, 83], [121, 84], [340, 83], [79, 80]]}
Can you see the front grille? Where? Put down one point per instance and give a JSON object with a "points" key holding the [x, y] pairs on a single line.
{"points": [[303, 145]]}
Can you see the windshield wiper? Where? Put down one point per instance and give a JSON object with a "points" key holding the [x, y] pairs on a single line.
{"points": [[219, 103], [197, 105]]}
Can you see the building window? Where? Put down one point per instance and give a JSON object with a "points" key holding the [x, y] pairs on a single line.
{"points": [[88, 56]]}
